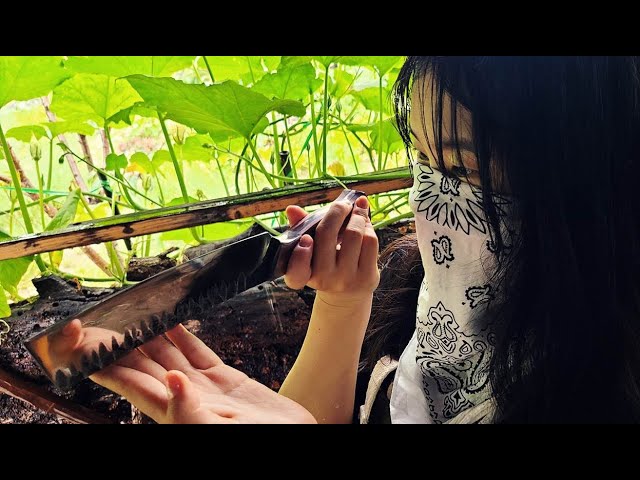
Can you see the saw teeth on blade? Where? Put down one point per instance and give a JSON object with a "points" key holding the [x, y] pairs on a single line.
{"points": [[62, 380], [95, 361], [156, 325], [128, 340], [169, 320], [85, 365], [106, 357], [115, 346], [147, 333]]}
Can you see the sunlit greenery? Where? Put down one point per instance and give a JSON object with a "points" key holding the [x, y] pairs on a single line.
{"points": [[97, 136]]}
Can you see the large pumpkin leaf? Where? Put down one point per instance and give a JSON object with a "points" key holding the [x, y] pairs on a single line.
{"points": [[223, 110], [23, 78], [95, 97], [121, 66], [295, 83]]}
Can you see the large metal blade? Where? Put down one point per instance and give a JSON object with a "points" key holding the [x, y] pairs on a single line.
{"points": [[69, 351]]}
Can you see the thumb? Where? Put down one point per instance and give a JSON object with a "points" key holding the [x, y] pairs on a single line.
{"points": [[295, 214], [183, 397]]}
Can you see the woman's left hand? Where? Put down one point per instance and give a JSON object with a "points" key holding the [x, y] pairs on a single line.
{"points": [[184, 381]]}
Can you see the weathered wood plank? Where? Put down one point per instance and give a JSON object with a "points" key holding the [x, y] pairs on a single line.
{"points": [[47, 401], [196, 214]]}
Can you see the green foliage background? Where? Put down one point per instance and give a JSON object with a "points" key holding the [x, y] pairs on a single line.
{"points": [[173, 130]]}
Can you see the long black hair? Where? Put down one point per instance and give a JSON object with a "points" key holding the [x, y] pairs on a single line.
{"points": [[564, 133]]}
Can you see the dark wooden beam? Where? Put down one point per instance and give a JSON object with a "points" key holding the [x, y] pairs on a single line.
{"points": [[196, 214], [47, 401]]}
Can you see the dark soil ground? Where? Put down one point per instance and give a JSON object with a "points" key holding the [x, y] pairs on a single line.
{"points": [[258, 332]]}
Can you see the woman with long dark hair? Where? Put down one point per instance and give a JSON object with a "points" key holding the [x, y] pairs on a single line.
{"points": [[518, 300]]}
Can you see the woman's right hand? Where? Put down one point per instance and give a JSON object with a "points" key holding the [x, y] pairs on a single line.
{"points": [[341, 275]]}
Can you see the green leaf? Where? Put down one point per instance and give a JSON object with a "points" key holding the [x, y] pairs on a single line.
{"points": [[5, 310], [115, 162], [94, 97], [142, 160], [12, 271], [370, 98], [175, 202], [391, 139], [66, 214], [295, 83], [212, 232], [223, 110], [56, 128], [196, 147], [381, 64], [260, 127], [160, 157], [56, 258], [26, 133], [341, 84], [24, 78], [114, 66], [124, 117], [248, 69], [326, 61]]}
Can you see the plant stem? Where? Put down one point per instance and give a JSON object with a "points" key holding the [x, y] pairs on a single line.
{"points": [[124, 186], [314, 124], [15, 179], [206, 62], [120, 182], [224, 181], [393, 220], [253, 78], [288, 135], [380, 125], [50, 172], [178, 170], [69, 276], [51, 198], [40, 193], [260, 164], [346, 137], [276, 147], [73, 166], [366, 147], [272, 231], [325, 108], [116, 266], [23, 205]]}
